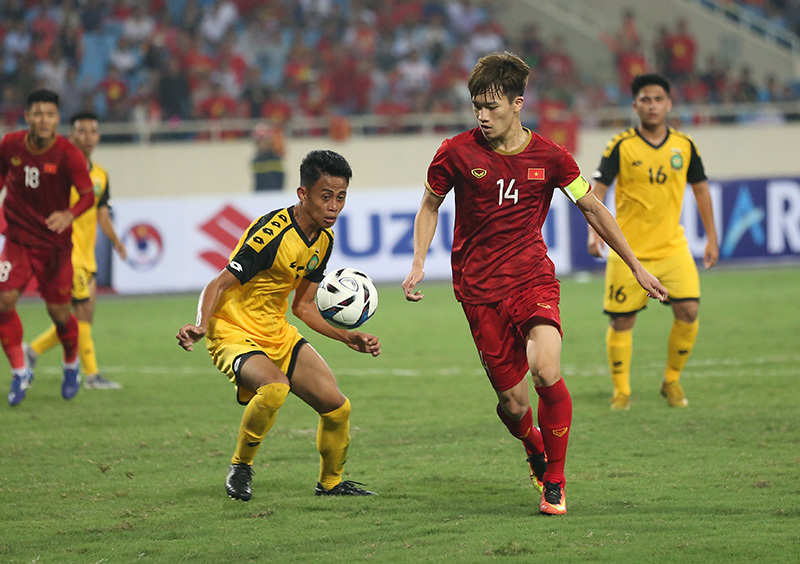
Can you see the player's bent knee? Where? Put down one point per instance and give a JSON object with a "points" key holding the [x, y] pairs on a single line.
{"points": [[545, 376], [272, 396], [340, 414]]}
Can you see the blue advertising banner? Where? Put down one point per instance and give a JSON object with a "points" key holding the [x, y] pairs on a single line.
{"points": [[756, 220]]}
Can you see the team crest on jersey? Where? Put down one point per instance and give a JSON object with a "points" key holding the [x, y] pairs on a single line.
{"points": [[98, 189], [478, 172], [312, 263], [16, 161], [676, 161]]}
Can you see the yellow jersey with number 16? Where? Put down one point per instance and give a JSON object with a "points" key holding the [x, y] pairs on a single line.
{"points": [[650, 184]]}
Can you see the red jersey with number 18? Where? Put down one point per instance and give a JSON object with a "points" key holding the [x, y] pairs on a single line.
{"points": [[502, 200], [38, 183]]}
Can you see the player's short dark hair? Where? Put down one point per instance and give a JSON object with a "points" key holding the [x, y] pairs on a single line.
{"points": [[42, 95], [317, 163], [646, 80], [80, 116], [498, 73]]}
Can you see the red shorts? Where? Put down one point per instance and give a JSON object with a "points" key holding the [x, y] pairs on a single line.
{"points": [[52, 269], [500, 330]]}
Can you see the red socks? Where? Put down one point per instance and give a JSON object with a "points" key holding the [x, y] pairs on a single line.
{"points": [[555, 418], [68, 335], [11, 338], [524, 430]]}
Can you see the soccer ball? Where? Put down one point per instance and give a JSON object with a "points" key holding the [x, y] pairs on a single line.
{"points": [[346, 298]]}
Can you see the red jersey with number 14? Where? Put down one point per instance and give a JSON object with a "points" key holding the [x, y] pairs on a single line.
{"points": [[502, 200], [39, 183]]}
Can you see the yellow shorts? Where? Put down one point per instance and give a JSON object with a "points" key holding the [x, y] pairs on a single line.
{"points": [[227, 343], [678, 274], [81, 280]]}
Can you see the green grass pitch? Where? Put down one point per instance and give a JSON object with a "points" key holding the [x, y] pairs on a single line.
{"points": [[136, 475]]}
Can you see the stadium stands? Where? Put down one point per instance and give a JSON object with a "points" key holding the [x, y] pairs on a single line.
{"points": [[252, 59]]}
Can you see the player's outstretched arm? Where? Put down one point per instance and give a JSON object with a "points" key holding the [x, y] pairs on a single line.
{"points": [[304, 307], [104, 219], [601, 220], [424, 228], [704, 208], [190, 333], [595, 243]]}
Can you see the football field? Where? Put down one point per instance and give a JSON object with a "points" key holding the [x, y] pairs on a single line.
{"points": [[137, 474]]}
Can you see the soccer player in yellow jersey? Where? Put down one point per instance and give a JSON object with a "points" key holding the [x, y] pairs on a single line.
{"points": [[652, 164], [85, 134], [242, 314]]}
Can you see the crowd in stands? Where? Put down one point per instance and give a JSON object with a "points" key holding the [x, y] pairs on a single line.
{"points": [[173, 60]]}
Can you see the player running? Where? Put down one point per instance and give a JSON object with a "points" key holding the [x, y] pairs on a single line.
{"points": [[85, 134], [503, 176], [39, 168]]}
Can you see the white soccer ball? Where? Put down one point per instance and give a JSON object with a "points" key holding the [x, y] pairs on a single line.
{"points": [[346, 298]]}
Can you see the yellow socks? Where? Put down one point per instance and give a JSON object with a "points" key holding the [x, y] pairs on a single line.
{"points": [[619, 348], [681, 343], [257, 420], [86, 349], [333, 439], [45, 341]]}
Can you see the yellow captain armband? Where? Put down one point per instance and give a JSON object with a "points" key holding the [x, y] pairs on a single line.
{"points": [[576, 189]]}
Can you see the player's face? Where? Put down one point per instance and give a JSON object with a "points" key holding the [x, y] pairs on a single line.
{"points": [[652, 104], [496, 114], [42, 117], [323, 201], [85, 135]]}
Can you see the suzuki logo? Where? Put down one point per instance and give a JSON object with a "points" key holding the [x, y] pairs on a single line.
{"points": [[225, 228]]}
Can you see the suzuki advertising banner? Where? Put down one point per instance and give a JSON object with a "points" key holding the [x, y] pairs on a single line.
{"points": [[180, 244]]}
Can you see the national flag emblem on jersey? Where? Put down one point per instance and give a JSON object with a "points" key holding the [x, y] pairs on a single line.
{"points": [[50, 168], [535, 174]]}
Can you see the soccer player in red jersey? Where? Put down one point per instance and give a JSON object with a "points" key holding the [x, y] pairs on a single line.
{"points": [[504, 176], [39, 167]]}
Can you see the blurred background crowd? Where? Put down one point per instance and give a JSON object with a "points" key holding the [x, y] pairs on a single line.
{"points": [[177, 60]]}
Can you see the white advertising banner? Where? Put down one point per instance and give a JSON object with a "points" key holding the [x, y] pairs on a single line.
{"points": [[179, 244]]}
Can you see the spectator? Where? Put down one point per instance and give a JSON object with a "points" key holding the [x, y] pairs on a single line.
{"points": [[557, 66], [17, 40], [230, 66], [531, 45], [93, 14], [12, 106], [192, 16], [73, 93], [139, 26], [267, 163], [125, 57], [745, 90], [114, 88], [276, 109], [254, 92], [52, 72], [217, 19], [414, 75], [217, 105], [682, 49], [487, 38], [172, 92]]}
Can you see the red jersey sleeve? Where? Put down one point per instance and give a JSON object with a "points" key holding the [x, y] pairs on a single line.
{"points": [[440, 171]]}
